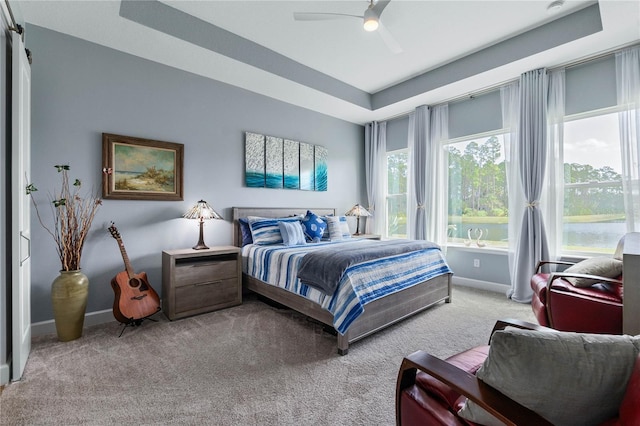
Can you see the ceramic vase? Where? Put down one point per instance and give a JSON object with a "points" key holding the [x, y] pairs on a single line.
{"points": [[69, 293]]}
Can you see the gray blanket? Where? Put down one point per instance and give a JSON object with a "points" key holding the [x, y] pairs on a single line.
{"points": [[323, 269]]}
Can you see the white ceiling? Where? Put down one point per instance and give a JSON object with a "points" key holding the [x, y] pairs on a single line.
{"points": [[431, 33]]}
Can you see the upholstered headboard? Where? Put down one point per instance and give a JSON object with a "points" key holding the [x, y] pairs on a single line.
{"points": [[239, 212]]}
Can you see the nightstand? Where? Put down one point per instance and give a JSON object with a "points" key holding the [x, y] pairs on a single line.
{"points": [[198, 281], [366, 236]]}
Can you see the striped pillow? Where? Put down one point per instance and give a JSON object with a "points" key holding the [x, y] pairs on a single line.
{"points": [[266, 231], [292, 233], [338, 228]]}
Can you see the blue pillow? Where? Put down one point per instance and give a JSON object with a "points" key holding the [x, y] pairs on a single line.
{"points": [[245, 230], [292, 233], [266, 230], [313, 226]]}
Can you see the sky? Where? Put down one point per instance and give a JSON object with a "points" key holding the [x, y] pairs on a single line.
{"points": [[594, 141]]}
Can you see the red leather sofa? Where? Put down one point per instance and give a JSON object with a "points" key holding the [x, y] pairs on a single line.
{"points": [[558, 304], [430, 391]]}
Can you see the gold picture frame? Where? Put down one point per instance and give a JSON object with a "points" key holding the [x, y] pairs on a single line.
{"points": [[141, 169]]}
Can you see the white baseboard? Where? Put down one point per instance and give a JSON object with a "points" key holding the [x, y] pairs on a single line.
{"points": [[482, 285], [92, 318]]}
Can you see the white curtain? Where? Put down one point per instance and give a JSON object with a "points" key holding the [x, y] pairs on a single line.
{"points": [[418, 142], [628, 94], [510, 101], [552, 200], [437, 177], [531, 242], [375, 149]]}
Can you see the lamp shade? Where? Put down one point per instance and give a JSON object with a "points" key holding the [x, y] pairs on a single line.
{"points": [[357, 210], [202, 210]]}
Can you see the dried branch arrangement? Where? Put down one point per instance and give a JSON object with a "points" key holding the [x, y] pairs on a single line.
{"points": [[73, 215]]}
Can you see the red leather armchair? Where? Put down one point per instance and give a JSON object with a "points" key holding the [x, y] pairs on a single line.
{"points": [[558, 304], [430, 391]]}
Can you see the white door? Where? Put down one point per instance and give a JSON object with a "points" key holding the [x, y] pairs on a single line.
{"points": [[20, 207]]}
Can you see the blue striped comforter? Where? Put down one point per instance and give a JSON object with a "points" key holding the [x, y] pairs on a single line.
{"points": [[360, 284]]}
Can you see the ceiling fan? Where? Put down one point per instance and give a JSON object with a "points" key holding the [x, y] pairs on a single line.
{"points": [[371, 21]]}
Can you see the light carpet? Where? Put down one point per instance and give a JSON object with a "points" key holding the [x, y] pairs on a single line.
{"points": [[252, 364]]}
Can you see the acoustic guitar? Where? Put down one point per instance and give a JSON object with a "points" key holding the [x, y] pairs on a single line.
{"points": [[134, 299]]}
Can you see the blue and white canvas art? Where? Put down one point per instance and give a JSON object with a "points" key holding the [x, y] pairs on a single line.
{"points": [[320, 167], [291, 164], [254, 160], [307, 175], [274, 162], [274, 159]]}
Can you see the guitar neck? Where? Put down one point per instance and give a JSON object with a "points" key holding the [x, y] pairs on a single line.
{"points": [[125, 258]]}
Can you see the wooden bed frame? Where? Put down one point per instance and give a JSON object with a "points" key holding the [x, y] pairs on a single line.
{"points": [[377, 315]]}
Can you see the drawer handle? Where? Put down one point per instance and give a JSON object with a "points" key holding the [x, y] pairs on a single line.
{"points": [[208, 283]]}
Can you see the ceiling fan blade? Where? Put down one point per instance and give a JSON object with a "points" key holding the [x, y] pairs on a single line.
{"points": [[321, 16], [380, 5], [389, 39]]}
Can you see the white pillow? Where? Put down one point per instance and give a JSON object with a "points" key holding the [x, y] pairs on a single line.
{"points": [[565, 377], [601, 266], [338, 228]]}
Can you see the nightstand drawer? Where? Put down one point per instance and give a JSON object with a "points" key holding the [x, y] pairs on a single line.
{"points": [[209, 295], [199, 281], [204, 270]]}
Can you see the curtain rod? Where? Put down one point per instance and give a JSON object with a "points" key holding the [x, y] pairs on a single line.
{"points": [[493, 87]]}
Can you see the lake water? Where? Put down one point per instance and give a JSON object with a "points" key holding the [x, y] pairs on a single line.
{"points": [[587, 235]]}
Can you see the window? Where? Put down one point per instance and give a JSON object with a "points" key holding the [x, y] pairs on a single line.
{"points": [[396, 197], [478, 201], [593, 217]]}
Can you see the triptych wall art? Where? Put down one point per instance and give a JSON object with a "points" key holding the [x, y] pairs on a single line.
{"points": [[272, 162]]}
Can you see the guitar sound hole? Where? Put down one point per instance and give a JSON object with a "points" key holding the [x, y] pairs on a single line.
{"points": [[135, 283]]}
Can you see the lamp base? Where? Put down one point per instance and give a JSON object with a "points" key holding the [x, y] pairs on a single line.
{"points": [[201, 245]]}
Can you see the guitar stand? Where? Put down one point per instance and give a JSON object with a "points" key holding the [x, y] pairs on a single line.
{"points": [[135, 323]]}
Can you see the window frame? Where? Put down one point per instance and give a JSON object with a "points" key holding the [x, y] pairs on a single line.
{"points": [[574, 254], [386, 190], [504, 131]]}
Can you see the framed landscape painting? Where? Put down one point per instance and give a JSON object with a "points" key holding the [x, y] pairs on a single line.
{"points": [[141, 169]]}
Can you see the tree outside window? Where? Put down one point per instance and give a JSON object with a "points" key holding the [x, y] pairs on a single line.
{"points": [[478, 199], [396, 198]]}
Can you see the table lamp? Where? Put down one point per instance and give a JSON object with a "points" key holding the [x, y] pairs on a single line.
{"points": [[201, 210], [357, 211]]}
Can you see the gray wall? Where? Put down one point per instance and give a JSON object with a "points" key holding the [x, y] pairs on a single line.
{"points": [[81, 90]]}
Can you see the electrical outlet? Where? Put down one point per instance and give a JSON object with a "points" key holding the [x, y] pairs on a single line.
{"points": [[476, 263]]}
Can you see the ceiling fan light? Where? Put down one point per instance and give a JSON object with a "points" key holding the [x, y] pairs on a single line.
{"points": [[370, 20], [371, 25]]}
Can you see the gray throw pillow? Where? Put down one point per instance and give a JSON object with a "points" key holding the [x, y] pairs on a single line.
{"points": [[567, 378], [601, 266], [619, 249]]}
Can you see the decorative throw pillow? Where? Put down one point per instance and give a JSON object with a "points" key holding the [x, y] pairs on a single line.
{"points": [[338, 228], [245, 231], [601, 266], [292, 233], [325, 234], [619, 249], [564, 377], [266, 230], [313, 226]]}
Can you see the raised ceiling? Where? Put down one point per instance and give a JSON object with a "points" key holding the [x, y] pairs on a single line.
{"points": [[450, 48]]}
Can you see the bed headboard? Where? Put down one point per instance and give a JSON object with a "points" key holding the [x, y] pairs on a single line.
{"points": [[239, 212]]}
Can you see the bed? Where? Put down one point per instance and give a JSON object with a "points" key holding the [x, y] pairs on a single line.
{"points": [[376, 315]]}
